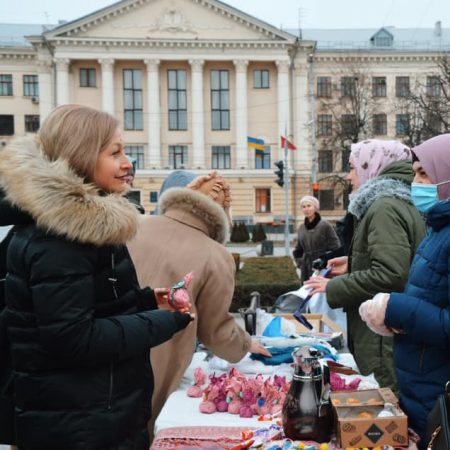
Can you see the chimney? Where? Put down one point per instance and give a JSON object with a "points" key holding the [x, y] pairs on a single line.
{"points": [[438, 28]]}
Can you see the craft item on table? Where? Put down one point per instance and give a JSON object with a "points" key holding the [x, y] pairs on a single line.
{"points": [[199, 379], [339, 383], [178, 294], [237, 394], [279, 356], [274, 326]]}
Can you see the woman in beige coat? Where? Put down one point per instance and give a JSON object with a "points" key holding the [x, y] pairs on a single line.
{"points": [[188, 235]]}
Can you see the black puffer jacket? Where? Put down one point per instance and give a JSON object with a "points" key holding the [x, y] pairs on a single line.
{"points": [[78, 324]]}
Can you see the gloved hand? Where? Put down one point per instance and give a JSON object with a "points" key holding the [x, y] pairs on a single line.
{"points": [[373, 313]]}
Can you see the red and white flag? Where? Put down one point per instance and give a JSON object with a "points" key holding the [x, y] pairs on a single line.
{"points": [[290, 145]]}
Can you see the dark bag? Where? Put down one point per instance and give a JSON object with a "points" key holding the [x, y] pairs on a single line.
{"points": [[438, 422]]}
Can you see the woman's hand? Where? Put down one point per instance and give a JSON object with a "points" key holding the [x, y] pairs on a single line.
{"points": [[256, 347], [162, 300], [373, 313], [339, 266], [317, 284]]}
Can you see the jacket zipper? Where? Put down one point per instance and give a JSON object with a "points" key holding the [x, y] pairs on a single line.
{"points": [[113, 281]]}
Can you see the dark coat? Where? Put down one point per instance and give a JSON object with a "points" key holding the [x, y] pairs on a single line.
{"points": [[79, 326], [422, 354], [388, 230], [313, 241], [9, 215]]}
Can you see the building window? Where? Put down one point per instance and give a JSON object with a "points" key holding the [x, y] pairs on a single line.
{"points": [[31, 124], [136, 152], [262, 158], [433, 86], [401, 124], [221, 157], [434, 122], [348, 124], [261, 79], [176, 81], [30, 86], [383, 41], [132, 99], [220, 100], [325, 161], [88, 78], [177, 156], [6, 86], [402, 86], [379, 124], [345, 160], [326, 199], [153, 197], [262, 200], [6, 125], [323, 86], [324, 124], [379, 86], [348, 86]]}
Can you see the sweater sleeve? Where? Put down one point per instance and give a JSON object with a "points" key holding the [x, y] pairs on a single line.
{"points": [[217, 328], [63, 296], [389, 253]]}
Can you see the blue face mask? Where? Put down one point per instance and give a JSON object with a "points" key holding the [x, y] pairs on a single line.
{"points": [[424, 196]]}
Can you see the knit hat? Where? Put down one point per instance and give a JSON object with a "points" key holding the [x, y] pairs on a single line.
{"points": [[312, 200], [434, 155], [371, 156]]}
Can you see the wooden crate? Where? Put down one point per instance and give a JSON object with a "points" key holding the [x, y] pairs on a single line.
{"points": [[320, 322]]}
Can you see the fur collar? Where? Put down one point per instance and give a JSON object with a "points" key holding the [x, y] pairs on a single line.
{"points": [[62, 202], [375, 189], [200, 206], [311, 225]]}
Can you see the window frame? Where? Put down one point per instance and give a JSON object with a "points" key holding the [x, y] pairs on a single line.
{"points": [[258, 79], [402, 126], [348, 86], [402, 88], [379, 124], [180, 95], [263, 196], [6, 85], [325, 161], [220, 157], [12, 124], [30, 87], [379, 86], [137, 114], [326, 199], [90, 80], [176, 151], [221, 93], [263, 160], [137, 152], [32, 123], [324, 124], [434, 88], [324, 87]]}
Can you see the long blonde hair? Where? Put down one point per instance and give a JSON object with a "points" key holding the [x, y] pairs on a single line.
{"points": [[77, 134]]}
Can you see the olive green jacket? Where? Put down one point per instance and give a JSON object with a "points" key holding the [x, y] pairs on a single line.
{"points": [[388, 229]]}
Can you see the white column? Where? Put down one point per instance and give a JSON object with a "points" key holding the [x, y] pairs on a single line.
{"points": [[242, 153], [303, 118], [46, 103], [62, 81], [198, 120], [283, 101], [153, 114], [107, 85]]}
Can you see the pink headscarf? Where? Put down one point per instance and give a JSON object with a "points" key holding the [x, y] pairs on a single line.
{"points": [[372, 156], [434, 155]]}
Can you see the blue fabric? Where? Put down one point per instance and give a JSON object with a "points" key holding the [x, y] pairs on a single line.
{"points": [[273, 329], [422, 354], [280, 355]]}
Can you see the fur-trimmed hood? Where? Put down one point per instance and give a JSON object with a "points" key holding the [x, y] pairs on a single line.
{"points": [[200, 206], [60, 201]]}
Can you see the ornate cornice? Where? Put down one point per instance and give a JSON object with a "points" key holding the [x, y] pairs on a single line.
{"points": [[17, 55], [391, 58]]}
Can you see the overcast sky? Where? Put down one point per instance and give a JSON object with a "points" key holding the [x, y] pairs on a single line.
{"points": [[281, 13]]}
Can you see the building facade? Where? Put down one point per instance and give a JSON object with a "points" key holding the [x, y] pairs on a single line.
{"points": [[190, 81]]}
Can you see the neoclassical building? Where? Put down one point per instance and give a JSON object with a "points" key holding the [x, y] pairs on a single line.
{"points": [[190, 81]]}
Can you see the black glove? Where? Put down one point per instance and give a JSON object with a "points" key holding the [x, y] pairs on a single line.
{"points": [[182, 320]]}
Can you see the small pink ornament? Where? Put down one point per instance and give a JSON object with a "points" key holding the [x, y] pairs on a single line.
{"points": [[222, 406], [194, 391], [178, 294], [234, 407], [207, 407]]}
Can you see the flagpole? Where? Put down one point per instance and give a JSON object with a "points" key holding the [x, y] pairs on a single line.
{"points": [[286, 196]]}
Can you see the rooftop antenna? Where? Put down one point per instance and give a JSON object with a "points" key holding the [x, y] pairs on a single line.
{"points": [[300, 35]]}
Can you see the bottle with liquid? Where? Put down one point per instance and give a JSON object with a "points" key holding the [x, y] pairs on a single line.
{"points": [[307, 412]]}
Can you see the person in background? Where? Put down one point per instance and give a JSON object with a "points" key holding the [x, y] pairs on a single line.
{"points": [[315, 237], [388, 229], [188, 235], [79, 326], [419, 317], [130, 181]]}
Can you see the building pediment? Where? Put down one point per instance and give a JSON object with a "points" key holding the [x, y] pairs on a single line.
{"points": [[205, 20]]}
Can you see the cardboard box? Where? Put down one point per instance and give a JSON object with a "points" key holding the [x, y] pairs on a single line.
{"points": [[323, 328], [358, 424]]}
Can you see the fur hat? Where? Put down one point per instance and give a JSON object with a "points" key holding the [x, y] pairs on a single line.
{"points": [[312, 200]]}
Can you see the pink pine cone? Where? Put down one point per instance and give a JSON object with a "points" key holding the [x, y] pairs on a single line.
{"points": [[194, 391], [207, 407]]}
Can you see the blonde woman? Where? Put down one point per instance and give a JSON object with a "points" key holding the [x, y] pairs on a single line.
{"points": [[79, 326]]}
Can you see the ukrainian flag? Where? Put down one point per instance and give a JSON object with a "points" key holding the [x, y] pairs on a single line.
{"points": [[258, 144]]}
